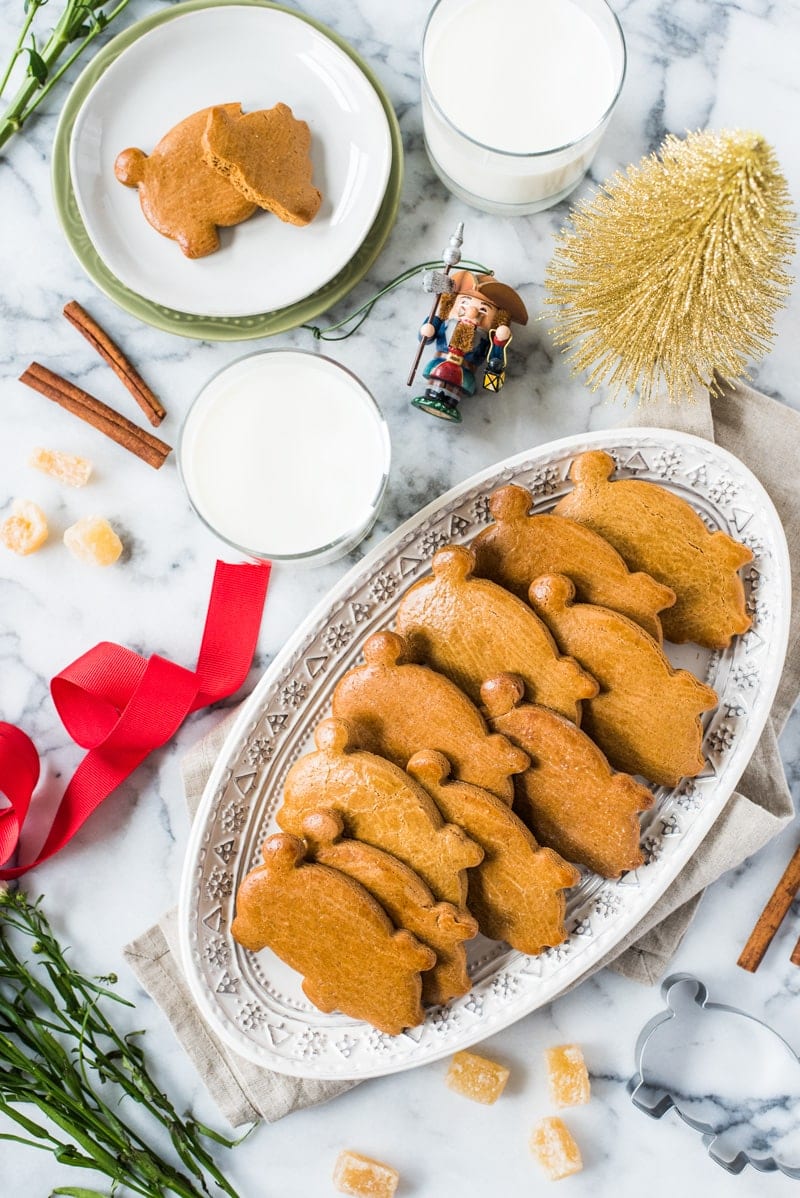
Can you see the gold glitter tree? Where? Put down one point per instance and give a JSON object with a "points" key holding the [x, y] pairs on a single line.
{"points": [[676, 268]]}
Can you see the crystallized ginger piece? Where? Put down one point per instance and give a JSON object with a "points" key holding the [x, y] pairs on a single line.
{"points": [[67, 468], [568, 1075], [25, 530], [359, 1175], [476, 1077], [555, 1149], [93, 540]]}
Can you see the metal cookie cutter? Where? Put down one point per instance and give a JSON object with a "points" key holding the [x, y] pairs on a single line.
{"points": [[726, 1073]]}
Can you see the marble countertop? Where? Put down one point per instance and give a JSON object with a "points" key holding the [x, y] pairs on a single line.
{"points": [[690, 65]]}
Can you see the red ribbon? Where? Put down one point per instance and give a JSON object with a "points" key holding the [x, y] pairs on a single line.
{"points": [[120, 706]]}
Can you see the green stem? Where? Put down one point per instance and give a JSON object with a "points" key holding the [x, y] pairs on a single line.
{"points": [[18, 48]]}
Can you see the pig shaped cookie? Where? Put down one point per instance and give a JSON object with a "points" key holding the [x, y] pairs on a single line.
{"points": [[471, 629], [395, 707], [520, 547], [658, 532], [568, 796], [646, 718], [181, 196], [327, 927], [379, 804]]}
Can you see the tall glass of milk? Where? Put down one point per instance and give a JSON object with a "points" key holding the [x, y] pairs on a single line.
{"points": [[516, 95], [285, 455]]}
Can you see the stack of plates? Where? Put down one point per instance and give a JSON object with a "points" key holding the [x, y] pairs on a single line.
{"points": [[267, 276]]}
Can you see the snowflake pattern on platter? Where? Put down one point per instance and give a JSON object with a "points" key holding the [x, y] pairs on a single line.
{"points": [[480, 510], [310, 1042], [667, 463], [652, 849], [688, 797], [504, 986], [745, 676], [259, 752], [443, 1020], [219, 884], [378, 1041], [337, 637], [545, 482], [431, 541], [233, 818], [558, 953], [294, 693], [607, 903], [383, 587], [217, 952], [721, 739], [251, 1016], [723, 490]]}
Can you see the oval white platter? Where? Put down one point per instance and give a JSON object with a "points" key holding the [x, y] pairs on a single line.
{"points": [[252, 1000]]}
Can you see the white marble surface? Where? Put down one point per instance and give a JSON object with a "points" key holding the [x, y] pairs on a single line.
{"points": [[691, 63]]}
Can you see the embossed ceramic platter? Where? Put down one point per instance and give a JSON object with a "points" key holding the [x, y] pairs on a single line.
{"points": [[255, 1002], [257, 55]]}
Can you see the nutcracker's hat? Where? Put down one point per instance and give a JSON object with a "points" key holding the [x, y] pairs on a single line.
{"points": [[487, 287]]}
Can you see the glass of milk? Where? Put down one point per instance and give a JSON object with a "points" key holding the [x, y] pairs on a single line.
{"points": [[285, 455], [516, 95]]}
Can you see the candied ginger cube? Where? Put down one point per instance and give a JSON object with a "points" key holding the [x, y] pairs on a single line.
{"points": [[94, 541], [358, 1175], [555, 1149], [65, 467], [25, 530], [568, 1075], [476, 1077]]}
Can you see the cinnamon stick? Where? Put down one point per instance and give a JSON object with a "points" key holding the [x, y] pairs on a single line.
{"points": [[108, 349], [99, 415], [795, 957], [772, 916]]}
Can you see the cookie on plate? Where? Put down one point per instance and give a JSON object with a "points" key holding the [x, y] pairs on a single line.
{"points": [[646, 718], [404, 897], [382, 806], [658, 532], [265, 155], [520, 547], [181, 196], [327, 927], [568, 796], [395, 708], [516, 892], [471, 629]]}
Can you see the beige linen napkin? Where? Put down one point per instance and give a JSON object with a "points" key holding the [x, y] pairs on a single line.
{"points": [[766, 436]]}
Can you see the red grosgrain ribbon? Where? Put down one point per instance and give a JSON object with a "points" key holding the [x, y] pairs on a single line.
{"points": [[120, 706]]}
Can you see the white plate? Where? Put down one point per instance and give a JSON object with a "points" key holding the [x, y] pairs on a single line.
{"points": [[258, 56], [252, 1000]]}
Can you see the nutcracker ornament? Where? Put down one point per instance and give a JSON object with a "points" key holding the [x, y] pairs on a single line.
{"points": [[470, 325]]}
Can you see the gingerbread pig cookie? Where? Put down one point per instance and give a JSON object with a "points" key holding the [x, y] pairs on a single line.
{"points": [[568, 796], [520, 547], [380, 805], [404, 897], [181, 196], [327, 927], [395, 707], [516, 892], [265, 155], [471, 629], [646, 718], [660, 533]]}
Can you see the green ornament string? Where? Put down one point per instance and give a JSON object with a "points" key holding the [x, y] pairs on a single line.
{"points": [[361, 314]]}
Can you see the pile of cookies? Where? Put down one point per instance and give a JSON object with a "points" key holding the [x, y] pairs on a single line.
{"points": [[217, 167], [453, 790]]}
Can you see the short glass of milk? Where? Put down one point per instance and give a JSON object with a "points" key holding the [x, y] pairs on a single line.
{"points": [[516, 95], [285, 454]]}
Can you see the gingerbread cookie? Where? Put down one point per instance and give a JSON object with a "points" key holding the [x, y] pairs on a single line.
{"points": [[660, 533], [516, 892], [520, 547], [471, 629], [395, 708], [380, 805], [404, 897], [265, 155], [327, 927], [646, 718], [568, 795], [181, 196]]}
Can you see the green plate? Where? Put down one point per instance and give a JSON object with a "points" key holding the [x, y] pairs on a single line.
{"points": [[185, 324]]}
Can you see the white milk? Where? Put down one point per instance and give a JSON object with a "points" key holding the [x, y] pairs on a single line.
{"points": [[516, 95], [285, 453]]}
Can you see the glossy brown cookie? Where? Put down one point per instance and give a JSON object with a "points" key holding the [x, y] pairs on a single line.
{"points": [[520, 547], [181, 196], [516, 893], [380, 805], [327, 927], [395, 708], [658, 532], [568, 796], [471, 629], [646, 718], [404, 897]]}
